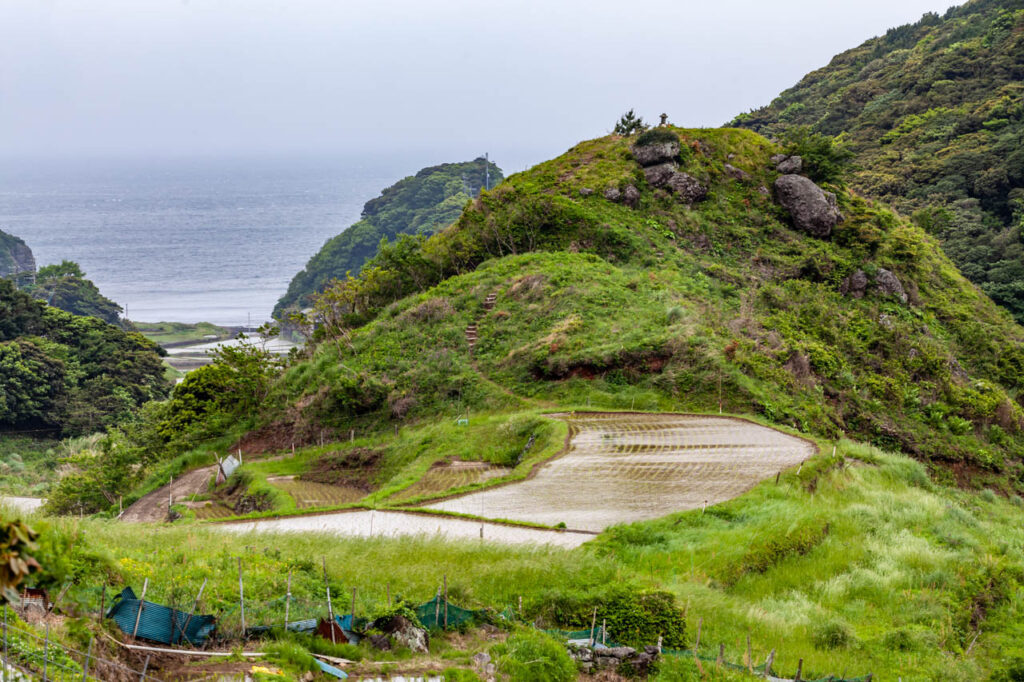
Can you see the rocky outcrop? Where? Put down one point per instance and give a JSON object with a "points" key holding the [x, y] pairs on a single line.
{"points": [[401, 632], [658, 176], [886, 284], [790, 165], [612, 194], [812, 209], [736, 173], [622, 659], [687, 187], [15, 256], [655, 153]]}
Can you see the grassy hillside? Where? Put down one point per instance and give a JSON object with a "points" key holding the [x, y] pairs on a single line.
{"points": [[418, 204], [664, 305], [934, 111]]}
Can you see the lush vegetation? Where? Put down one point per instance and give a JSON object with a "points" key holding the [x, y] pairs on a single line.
{"points": [[935, 114], [27, 465], [64, 286], [420, 204], [16, 260], [69, 374]]}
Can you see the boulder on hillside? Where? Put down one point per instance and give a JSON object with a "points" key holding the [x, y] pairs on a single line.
{"points": [[658, 176], [403, 632], [655, 153], [855, 285], [889, 284], [631, 196], [812, 209], [612, 194], [687, 187], [790, 165], [736, 173]]}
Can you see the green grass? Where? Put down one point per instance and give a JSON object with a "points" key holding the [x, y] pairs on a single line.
{"points": [[27, 465], [179, 332]]}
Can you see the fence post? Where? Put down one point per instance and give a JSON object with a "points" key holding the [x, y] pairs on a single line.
{"points": [[145, 667], [241, 593], [799, 670], [85, 667], [593, 624], [721, 655], [750, 656], [353, 608], [288, 599], [103, 603], [330, 607], [768, 663], [138, 611], [445, 601], [46, 651], [604, 631], [195, 605], [696, 646]]}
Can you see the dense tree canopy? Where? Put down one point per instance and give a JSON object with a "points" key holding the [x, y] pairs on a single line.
{"points": [[69, 373], [935, 113], [419, 204], [64, 286]]}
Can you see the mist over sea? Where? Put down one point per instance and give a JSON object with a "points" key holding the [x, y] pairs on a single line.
{"points": [[189, 240]]}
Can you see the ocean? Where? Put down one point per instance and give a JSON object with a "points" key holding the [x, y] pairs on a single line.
{"points": [[188, 240]]}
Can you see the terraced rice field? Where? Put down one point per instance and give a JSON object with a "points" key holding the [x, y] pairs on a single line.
{"points": [[308, 494], [449, 476], [621, 468]]}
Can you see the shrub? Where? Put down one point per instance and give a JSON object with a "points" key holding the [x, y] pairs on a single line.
{"points": [[532, 656], [831, 635], [825, 158], [657, 136], [291, 654]]}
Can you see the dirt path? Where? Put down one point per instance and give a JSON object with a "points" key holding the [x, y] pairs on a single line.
{"points": [[622, 468], [153, 507]]}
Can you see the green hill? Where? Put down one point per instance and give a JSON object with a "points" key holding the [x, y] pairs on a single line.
{"points": [[611, 291], [64, 286], [418, 204], [16, 259], [935, 114]]}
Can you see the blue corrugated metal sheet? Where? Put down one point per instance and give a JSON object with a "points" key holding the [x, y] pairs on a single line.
{"points": [[159, 623], [330, 670]]}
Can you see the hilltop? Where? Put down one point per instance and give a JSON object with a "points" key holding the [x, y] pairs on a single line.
{"points": [[935, 114], [16, 259], [418, 204]]}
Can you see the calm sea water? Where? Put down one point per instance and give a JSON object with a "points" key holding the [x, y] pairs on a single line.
{"points": [[188, 241]]}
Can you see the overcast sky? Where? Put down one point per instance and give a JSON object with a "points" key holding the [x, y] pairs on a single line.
{"points": [[435, 79]]}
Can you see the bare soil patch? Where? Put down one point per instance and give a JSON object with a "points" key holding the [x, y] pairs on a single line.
{"points": [[154, 506]]}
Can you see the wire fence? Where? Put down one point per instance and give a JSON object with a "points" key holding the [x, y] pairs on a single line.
{"points": [[26, 655]]}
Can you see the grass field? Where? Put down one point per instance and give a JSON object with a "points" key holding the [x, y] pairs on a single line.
{"points": [[180, 332]]}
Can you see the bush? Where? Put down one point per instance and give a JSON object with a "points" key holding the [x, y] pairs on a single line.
{"points": [[831, 635], [825, 158], [291, 654], [532, 656], [657, 136]]}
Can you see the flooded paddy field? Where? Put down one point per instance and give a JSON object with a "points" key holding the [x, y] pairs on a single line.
{"points": [[621, 468]]}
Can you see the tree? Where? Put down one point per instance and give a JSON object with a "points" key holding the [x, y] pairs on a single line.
{"points": [[15, 539], [826, 159], [629, 124]]}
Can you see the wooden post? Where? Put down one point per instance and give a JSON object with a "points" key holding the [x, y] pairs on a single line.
{"points": [[85, 666], [293, 449], [195, 605], [799, 670], [777, 476], [239, 456], [750, 656], [138, 612], [445, 601], [520, 607], [768, 663], [660, 640], [241, 595], [353, 607], [170, 495], [799, 468], [287, 599], [330, 607], [593, 623], [696, 644], [721, 655], [604, 631], [103, 604], [437, 607], [705, 506]]}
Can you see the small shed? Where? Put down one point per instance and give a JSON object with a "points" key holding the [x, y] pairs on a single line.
{"points": [[226, 467]]}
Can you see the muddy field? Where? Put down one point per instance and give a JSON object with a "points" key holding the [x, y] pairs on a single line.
{"points": [[621, 468], [397, 524]]}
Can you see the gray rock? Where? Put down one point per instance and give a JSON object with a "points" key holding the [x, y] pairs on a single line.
{"points": [[619, 651], [812, 209], [652, 649], [631, 196], [763, 190], [606, 662], [687, 187], [380, 642], [735, 173], [481, 659], [790, 164], [889, 284], [612, 194], [652, 154], [777, 159], [658, 176], [885, 320], [855, 285], [403, 633], [586, 192]]}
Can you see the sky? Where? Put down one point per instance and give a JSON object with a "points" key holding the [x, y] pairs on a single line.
{"points": [[426, 79]]}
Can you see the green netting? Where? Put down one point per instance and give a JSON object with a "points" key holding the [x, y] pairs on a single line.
{"points": [[432, 615], [580, 634]]}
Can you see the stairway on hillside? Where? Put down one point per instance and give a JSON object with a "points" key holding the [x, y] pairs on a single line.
{"points": [[471, 330], [471, 336]]}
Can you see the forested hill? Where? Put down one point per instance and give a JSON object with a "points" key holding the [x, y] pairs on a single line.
{"points": [[934, 112], [16, 258], [418, 204]]}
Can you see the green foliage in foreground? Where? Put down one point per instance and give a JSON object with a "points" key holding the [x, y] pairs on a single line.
{"points": [[418, 204], [935, 114], [27, 465], [860, 564], [532, 656]]}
